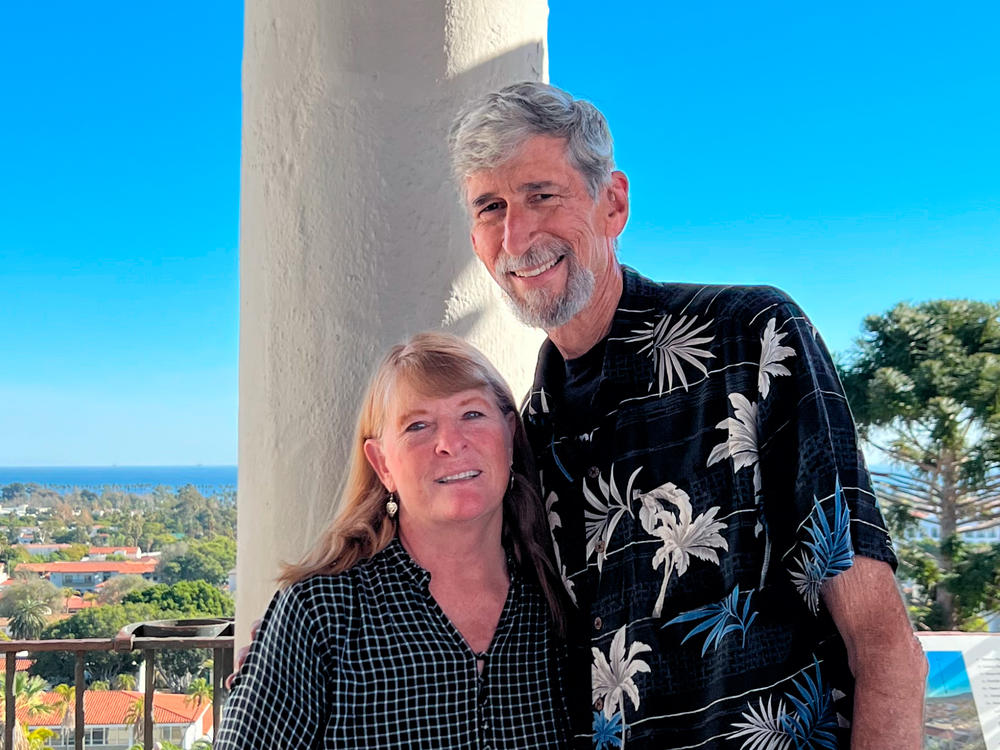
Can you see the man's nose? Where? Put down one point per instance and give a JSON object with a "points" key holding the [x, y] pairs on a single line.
{"points": [[518, 230]]}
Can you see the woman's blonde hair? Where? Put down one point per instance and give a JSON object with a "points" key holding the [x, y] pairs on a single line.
{"points": [[434, 365]]}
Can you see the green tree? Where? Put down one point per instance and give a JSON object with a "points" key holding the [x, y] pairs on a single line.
{"points": [[205, 560], [190, 597], [38, 738], [67, 704], [28, 619], [124, 681], [28, 691], [117, 588], [198, 692], [96, 622], [924, 385], [12, 492], [31, 588], [98, 685]]}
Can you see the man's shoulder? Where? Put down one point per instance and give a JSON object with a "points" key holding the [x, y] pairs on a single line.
{"points": [[737, 302]]}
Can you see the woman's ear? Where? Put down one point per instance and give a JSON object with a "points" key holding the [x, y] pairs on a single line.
{"points": [[376, 458]]}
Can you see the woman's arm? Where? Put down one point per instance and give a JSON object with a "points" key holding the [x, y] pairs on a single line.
{"points": [[279, 696]]}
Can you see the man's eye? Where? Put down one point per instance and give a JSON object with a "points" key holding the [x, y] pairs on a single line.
{"points": [[415, 426], [538, 198], [490, 207]]}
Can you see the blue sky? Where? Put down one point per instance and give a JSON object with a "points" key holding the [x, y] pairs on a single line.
{"points": [[844, 152]]}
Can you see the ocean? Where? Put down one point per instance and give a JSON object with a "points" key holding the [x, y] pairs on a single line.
{"points": [[208, 480]]}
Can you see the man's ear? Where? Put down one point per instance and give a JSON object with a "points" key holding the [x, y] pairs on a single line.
{"points": [[616, 194], [376, 458]]}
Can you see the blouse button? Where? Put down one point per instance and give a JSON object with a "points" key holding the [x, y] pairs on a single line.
{"points": [[593, 472], [598, 623]]}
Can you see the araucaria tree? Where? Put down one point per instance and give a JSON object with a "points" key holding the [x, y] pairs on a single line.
{"points": [[924, 385]]}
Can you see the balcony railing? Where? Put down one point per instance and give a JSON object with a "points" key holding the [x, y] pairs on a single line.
{"points": [[222, 665]]}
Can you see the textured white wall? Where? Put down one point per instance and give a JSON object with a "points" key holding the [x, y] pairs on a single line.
{"points": [[351, 236]]}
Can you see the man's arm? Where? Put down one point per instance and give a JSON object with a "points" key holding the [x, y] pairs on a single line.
{"points": [[889, 666]]}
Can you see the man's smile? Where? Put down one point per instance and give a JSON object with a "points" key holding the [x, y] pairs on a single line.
{"points": [[537, 270]]}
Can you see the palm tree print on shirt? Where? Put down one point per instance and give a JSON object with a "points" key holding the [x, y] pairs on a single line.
{"points": [[555, 523], [771, 353], [605, 512], [719, 619], [683, 537], [669, 346], [828, 551], [612, 680], [803, 718], [741, 446]]}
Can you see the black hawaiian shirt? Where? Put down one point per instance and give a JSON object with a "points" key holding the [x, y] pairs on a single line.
{"points": [[698, 496]]}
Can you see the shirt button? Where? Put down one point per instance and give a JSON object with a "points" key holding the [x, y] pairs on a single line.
{"points": [[598, 623], [593, 472], [600, 546]]}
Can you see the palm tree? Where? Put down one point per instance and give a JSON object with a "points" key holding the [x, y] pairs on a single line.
{"points": [[198, 692], [29, 618], [136, 717], [28, 693], [67, 702], [124, 682], [38, 738]]}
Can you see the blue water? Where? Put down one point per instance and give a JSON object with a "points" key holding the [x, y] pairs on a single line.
{"points": [[946, 676], [208, 480]]}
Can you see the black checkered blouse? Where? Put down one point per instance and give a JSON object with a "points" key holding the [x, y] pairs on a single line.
{"points": [[367, 659]]}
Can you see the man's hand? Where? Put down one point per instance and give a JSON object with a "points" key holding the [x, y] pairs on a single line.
{"points": [[889, 666], [241, 655]]}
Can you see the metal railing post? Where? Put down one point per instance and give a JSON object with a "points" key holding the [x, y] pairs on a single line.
{"points": [[79, 722], [10, 710], [149, 659]]}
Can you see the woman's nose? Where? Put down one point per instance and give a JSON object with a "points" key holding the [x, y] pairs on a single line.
{"points": [[450, 438]]}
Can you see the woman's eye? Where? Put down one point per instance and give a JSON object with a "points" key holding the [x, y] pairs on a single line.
{"points": [[473, 414], [415, 426]]}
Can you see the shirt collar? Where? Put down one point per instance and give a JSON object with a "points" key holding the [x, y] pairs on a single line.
{"points": [[620, 366]]}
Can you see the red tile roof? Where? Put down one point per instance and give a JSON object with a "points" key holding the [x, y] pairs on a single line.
{"points": [[76, 603], [136, 567], [110, 707], [133, 551]]}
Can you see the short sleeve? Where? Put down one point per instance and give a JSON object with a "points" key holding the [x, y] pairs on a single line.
{"points": [[279, 696], [819, 508]]}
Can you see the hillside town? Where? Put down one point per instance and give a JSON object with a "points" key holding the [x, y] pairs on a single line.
{"points": [[85, 564]]}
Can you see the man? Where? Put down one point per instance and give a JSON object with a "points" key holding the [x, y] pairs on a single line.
{"points": [[712, 516]]}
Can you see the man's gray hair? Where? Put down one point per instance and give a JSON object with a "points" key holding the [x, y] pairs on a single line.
{"points": [[490, 129]]}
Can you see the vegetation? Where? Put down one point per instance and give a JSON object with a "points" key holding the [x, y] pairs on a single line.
{"points": [[206, 560], [924, 385], [194, 597], [28, 619], [29, 589]]}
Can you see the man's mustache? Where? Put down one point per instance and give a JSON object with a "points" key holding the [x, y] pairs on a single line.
{"points": [[539, 253]]}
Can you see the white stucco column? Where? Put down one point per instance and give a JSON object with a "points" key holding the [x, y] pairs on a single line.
{"points": [[351, 236]]}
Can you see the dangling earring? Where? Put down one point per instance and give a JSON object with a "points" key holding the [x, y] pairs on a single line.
{"points": [[510, 484], [391, 506]]}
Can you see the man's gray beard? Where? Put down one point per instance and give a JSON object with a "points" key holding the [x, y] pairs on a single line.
{"points": [[540, 309]]}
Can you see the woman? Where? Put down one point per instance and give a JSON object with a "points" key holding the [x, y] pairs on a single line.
{"points": [[428, 614]]}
